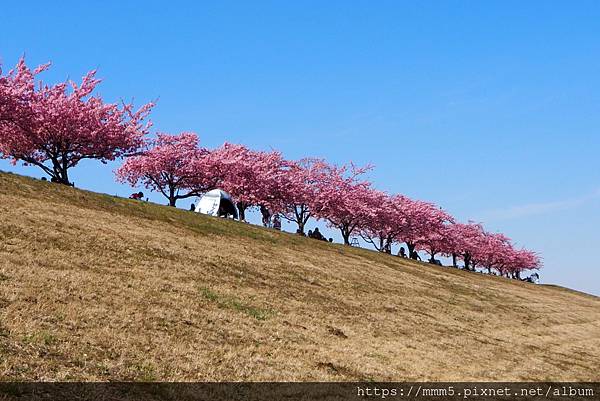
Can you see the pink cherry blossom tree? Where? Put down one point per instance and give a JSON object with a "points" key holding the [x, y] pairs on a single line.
{"points": [[494, 250], [252, 178], [423, 222], [345, 200], [523, 259], [465, 240], [438, 241], [175, 166], [301, 196], [387, 222], [55, 127]]}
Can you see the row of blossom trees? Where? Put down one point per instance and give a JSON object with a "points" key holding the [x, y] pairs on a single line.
{"points": [[54, 127]]}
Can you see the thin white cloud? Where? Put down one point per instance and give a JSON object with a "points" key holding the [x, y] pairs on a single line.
{"points": [[533, 209]]}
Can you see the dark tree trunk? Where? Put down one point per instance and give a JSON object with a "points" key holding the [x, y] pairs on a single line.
{"points": [[242, 210], [302, 216], [388, 245], [411, 247], [454, 260], [61, 172], [345, 235], [467, 258], [64, 177], [172, 197], [301, 226]]}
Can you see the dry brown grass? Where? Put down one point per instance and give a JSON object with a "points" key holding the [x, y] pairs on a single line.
{"points": [[100, 288]]}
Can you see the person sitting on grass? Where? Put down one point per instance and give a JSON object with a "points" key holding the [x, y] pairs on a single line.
{"points": [[277, 222], [402, 252], [434, 261], [317, 235]]}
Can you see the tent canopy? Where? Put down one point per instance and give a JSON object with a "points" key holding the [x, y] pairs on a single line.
{"points": [[217, 203]]}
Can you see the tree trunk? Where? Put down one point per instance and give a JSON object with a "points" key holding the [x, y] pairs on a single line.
{"points": [[454, 260], [301, 218], [242, 210], [345, 235], [467, 258], [61, 172], [388, 246], [172, 197], [411, 247], [64, 179]]}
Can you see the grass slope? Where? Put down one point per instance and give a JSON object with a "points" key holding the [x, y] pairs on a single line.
{"points": [[94, 287]]}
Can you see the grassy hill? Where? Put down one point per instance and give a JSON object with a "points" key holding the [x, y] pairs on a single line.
{"points": [[94, 287]]}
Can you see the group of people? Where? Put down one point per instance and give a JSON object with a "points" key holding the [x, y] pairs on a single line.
{"points": [[534, 278], [316, 234], [56, 181], [269, 220], [413, 255]]}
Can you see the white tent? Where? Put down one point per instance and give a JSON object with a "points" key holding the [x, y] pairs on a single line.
{"points": [[216, 203]]}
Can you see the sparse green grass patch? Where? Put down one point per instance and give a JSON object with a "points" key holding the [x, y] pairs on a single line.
{"points": [[144, 371], [229, 302], [42, 337]]}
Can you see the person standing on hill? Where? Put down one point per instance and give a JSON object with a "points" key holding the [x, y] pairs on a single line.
{"points": [[266, 216]]}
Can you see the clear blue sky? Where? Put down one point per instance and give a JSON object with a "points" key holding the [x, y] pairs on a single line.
{"points": [[490, 109]]}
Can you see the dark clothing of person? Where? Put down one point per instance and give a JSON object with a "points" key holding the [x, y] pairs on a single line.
{"points": [[317, 235], [277, 222], [266, 216]]}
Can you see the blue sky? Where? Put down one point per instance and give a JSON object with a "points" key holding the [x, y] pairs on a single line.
{"points": [[490, 109]]}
